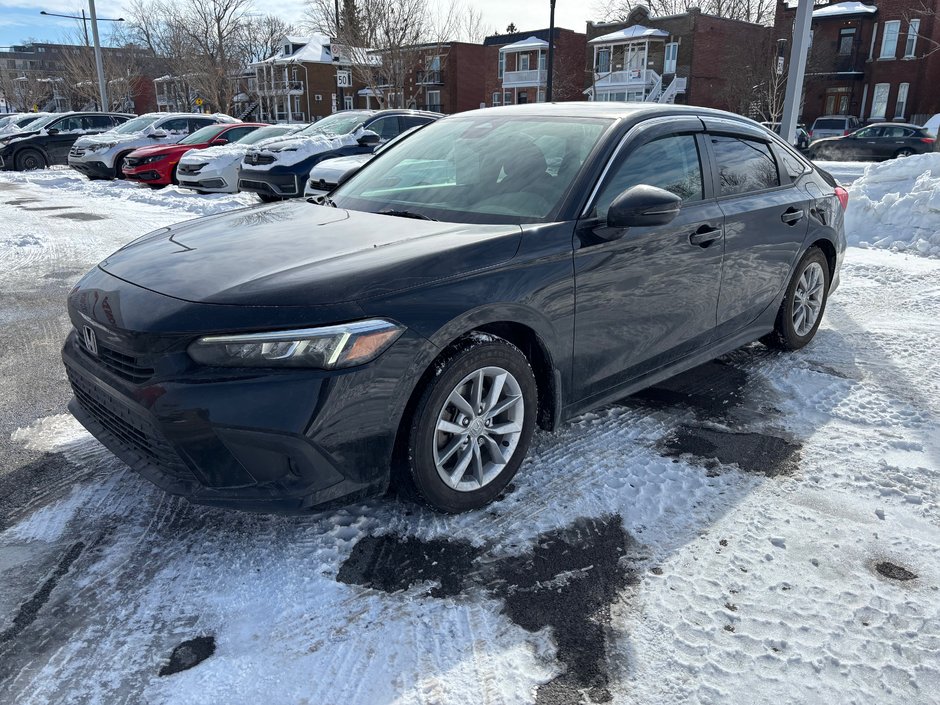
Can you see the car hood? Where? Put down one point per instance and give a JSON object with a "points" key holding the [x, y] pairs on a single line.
{"points": [[220, 154], [299, 254], [109, 138], [331, 169]]}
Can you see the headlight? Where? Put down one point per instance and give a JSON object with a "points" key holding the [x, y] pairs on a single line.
{"points": [[151, 160], [325, 348]]}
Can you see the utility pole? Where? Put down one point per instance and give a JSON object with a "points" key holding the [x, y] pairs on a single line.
{"points": [[551, 52], [102, 86], [341, 102], [791, 103]]}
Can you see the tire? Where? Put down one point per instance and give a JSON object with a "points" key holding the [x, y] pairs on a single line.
{"points": [[30, 160], [904, 152], [468, 443], [119, 164], [791, 332]]}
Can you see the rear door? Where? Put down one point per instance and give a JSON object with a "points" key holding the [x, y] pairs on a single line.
{"points": [[893, 139], [766, 219], [864, 144], [649, 296]]}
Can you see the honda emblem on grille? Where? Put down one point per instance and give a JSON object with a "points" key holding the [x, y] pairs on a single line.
{"points": [[88, 335]]}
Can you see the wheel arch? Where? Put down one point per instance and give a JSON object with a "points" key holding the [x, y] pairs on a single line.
{"points": [[829, 250], [31, 148]]}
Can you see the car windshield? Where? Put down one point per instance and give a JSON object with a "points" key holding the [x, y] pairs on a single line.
{"points": [[26, 122], [43, 121], [203, 134], [265, 133], [477, 170], [336, 124], [832, 124], [136, 125]]}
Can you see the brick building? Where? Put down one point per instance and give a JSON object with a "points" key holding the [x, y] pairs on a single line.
{"points": [[687, 58], [449, 78], [876, 61], [517, 67]]}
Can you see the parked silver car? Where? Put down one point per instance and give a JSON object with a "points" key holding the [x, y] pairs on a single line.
{"points": [[833, 126]]}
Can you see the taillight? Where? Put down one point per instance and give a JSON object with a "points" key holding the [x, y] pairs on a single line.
{"points": [[845, 132], [843, 197], [927, 140]]}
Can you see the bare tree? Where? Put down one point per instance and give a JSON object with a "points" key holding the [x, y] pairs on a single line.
{"points": [[260, 37], [25, 90], [758, 11]]}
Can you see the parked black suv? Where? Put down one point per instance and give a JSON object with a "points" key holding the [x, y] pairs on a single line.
{"points": [[280, 168], [47, 142], [884, 140], [554, 258]]}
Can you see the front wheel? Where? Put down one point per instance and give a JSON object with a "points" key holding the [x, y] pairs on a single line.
{"points": [[472, 426], [904, 152], [30, 160], [803, 305]]}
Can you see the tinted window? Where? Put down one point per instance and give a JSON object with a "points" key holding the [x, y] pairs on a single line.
{"points": [[236, 133], [791, 164], [671, 163], [743, 165], [69, 124], [386, 127], [831, 124], [897, 132], [97, 122], [868, 132], [176, 125], [409, 121], [196, 123]]}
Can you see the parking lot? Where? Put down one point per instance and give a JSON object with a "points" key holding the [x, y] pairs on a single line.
{"points": [[763, 529]]}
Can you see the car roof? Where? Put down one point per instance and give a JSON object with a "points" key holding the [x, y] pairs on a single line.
{"points": [[836, 117], [406, 111], [895, 124]]}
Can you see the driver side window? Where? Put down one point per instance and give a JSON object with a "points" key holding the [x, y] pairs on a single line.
{"points": [[671, 163]]}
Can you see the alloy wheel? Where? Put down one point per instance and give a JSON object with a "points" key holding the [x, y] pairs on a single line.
{"points": [[808, 298], [478, 429]]}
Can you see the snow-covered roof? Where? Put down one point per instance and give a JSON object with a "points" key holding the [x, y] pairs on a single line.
{"points": [[845, 8], [636, 31], [526, 44], [315, 50]]}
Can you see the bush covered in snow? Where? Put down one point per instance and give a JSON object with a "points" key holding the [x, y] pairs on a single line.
{"points": [[896, 205]]}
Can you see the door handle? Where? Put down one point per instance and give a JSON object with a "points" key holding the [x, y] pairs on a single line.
{"points": [[705, 236], [792, 215]]}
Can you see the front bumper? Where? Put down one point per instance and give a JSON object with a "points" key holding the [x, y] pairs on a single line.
{"points": [[93, 168], [270, 182], [257, 440], [157, 173], [210, 180]]}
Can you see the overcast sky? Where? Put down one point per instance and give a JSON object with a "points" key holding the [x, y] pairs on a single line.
{"points": [[20, 19]]}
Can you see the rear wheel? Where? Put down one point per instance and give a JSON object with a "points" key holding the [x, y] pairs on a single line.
{"points": [[119, 165], [803, 305], [904, 152], [472, 426], [30, 160]]}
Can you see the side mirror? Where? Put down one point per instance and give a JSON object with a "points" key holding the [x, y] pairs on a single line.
{"points": [[52, 131], [368, 139], [641, 206], [220, 140], [157, 134]]}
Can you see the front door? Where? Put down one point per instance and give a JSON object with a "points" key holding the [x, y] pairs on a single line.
{"points": [[649, 297], [67, 130], [766, 219]]}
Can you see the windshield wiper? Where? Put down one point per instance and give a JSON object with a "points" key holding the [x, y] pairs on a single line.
{"points": [[406, 214]]}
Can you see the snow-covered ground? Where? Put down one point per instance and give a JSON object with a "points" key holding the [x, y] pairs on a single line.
{"points": [[763, 530]]}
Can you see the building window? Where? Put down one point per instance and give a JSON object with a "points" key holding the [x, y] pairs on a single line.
{"points": [[522, 97], [901, 106], [507, 98], [497, 99], [672, 51], [879, 101], [846, 40], [889, 40], [523, 61], [603, 61], [434, 101], [502, 65], [837, 101], [911, 44], [542, 61]]}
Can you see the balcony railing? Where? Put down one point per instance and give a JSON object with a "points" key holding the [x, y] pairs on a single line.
{"points": [[430, 77], [281, 87], [630, 77], [524, 78]]}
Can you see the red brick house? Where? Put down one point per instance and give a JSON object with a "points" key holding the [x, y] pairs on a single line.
{"points": [[686, 58], [450, 77], [517, 67], [877, 60]]}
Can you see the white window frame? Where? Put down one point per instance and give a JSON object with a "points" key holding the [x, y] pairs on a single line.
{"points": [[910, 44], [435, 101], [347, 102], [900, 106], [877, 114], [597, 60], [501, 66], [669, 62], [889, 39], [497, 98], [519, 61]]}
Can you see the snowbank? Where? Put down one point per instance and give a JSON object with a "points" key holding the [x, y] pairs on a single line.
{"points": [[896, 205]]}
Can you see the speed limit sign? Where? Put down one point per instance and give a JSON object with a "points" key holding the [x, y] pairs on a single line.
{"points": [[343, 79]]}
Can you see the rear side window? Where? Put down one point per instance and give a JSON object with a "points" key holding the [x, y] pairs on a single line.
{"points": [[830, 124], [197, 123], [236, 133], [898, 132], [670, 163], [175, 126], [386, 127], [97, 122], [409, 121], [744, 165]]}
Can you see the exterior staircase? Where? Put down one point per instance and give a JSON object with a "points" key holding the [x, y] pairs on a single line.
{"points": [[677, 85], [252, 107]]}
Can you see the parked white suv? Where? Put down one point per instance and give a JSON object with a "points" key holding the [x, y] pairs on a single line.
{"points": [[101, 156], [833, 126]]}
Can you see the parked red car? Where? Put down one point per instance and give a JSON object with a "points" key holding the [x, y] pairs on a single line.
{"points": [[156, 165]]}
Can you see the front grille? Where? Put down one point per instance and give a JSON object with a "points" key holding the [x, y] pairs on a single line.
{"points": [[76, 152], [252, 158], [130, 429], [185, 169], [252, 185], [133, 369]]}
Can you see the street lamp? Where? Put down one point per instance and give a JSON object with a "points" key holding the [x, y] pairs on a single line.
{"points": [[102, 87], [551, 52], [84, 18]]}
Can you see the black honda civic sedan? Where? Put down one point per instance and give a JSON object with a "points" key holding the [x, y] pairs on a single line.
{"points": [[554, 257]]}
